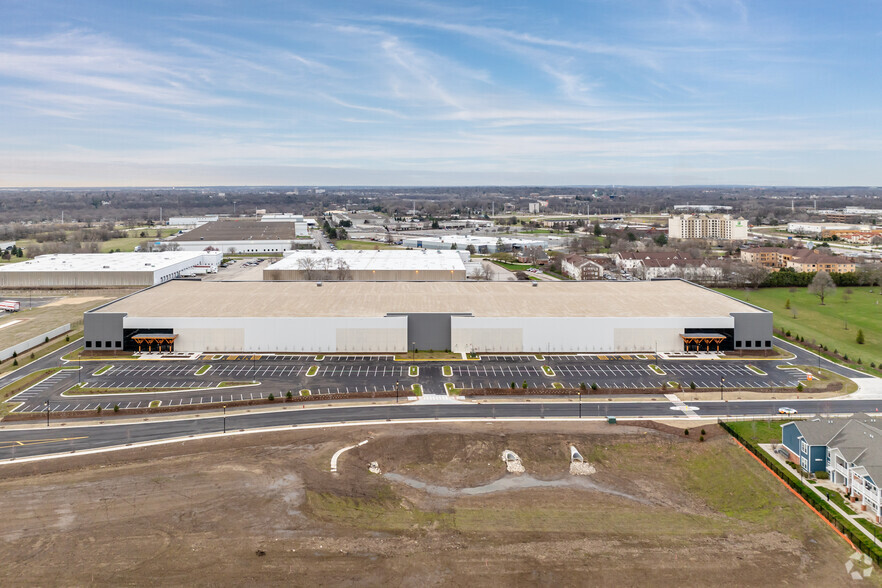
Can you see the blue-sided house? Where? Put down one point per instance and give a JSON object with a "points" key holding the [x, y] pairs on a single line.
{"points": [[849, 450]]}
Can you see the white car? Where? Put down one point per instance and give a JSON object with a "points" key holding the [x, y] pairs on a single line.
{"points": [[786, 410]]}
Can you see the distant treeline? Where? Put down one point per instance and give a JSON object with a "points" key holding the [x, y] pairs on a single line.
{"points": [[787, 277]]}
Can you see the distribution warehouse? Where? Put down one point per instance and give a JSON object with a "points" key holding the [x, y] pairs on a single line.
{"points": [[367, 265], [102, 270], [374, 317]]}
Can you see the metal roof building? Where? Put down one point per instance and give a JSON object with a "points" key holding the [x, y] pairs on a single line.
{"points": [[369, 266], [384, 317], [97, 270]]}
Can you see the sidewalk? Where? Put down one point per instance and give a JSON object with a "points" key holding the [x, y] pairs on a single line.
{"points": [[767, 447]]}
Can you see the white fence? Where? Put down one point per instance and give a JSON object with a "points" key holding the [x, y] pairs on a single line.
{"points": [[33, 342]]}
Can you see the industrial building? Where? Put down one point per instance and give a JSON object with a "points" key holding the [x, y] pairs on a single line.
{"points": [[480, 244], [386, 317], [701, 226], [245, 236], [103, 270], [369, 266]]}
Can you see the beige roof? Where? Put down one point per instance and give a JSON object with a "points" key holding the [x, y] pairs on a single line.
{"points": [[668, 298]]}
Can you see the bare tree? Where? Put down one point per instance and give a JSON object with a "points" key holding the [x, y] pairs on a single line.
{"points": [[342, 272], [822, 285], [307, 265]]}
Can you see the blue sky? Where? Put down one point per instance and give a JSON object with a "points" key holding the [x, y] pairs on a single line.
{"points": [[666, 92]]}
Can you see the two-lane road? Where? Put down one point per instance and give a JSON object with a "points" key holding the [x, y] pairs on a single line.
{"points": [[18, 443]]}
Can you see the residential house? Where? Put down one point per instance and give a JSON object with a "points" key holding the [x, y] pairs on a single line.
{"points": [[800, 259], [850, 451], [581, 268], [533, 255]]}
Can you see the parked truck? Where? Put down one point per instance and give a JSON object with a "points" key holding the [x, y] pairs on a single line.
{"points": [[10, 306]]}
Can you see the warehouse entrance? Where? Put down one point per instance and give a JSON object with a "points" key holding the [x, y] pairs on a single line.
{"points": [[429, 331]]}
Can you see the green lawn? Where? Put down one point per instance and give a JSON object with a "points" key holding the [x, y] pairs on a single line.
{"points": [[513, 267], [826, 324], [760, 431], [353, 244]]}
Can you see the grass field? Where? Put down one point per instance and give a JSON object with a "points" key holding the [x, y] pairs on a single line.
{"points": [[826, 324], [353, 244], [39, 320], [513, 267]]}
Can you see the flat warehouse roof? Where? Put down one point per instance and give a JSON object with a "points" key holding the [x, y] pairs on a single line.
{"points": [[103, 262], [669, 298], [375, 260], [239, 230]]}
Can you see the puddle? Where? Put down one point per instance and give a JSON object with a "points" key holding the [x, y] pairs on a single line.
{"points": [[508, 483]]}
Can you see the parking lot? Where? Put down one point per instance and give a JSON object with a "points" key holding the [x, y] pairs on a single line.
{"points": [[208, 379]]}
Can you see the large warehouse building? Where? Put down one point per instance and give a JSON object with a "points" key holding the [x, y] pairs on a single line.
{"points": [[103, 270], [373, 317], [369, 266], [245, 236]]}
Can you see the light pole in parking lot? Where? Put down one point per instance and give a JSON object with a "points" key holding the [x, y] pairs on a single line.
{"points": [[722, 379], [48, 410], [412, 350], [396, 392]]}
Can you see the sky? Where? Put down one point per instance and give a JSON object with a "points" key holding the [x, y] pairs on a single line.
{"points": [[414, 92]]}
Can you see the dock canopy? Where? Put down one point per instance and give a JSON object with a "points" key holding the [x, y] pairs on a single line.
{"points": [[699, 339], [159, 340]]}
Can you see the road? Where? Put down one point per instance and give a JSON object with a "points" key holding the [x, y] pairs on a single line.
{"points": [[18, 443]]}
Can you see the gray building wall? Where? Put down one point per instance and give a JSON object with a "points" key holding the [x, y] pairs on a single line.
{"points": [[752, 327], [101, 328], [428, 331]]}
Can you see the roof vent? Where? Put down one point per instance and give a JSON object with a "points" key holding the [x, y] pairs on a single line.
{"points": [[535, 284], [319, 284]]}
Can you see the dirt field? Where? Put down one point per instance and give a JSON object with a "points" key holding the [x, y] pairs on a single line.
{"points": [[264, 509]]}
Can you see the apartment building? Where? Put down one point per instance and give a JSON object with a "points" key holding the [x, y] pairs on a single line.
{"points": [[703, 226]]}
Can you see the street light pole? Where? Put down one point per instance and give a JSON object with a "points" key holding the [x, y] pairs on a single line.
{"points": [[48, 409], [225, 419], [412, 350], [396, 392], [722, 379], [580, 405]]}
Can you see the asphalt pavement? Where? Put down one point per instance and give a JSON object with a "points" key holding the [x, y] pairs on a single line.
{"points": [[40, 440]]}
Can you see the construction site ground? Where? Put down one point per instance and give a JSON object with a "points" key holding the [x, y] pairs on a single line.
{"points": [[661, 509]]}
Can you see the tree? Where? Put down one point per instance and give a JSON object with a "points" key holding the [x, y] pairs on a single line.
{"points": [[661, 240], [860, 337], [597, 230], [822, 286], [787, 304]]}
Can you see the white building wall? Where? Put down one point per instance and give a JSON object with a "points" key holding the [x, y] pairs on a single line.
{"points": [[585, 335], [283, 334], [241, 246]]}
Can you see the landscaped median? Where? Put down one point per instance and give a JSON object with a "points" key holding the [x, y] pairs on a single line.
{"points": [[313, 370], [83, 388], [413, 371], [103, 370], [447, 371], [23, 384], [657, 370], [417, 390], [548, 371], [451, 389], [203, 369], [756, 370], [740, 431]]}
